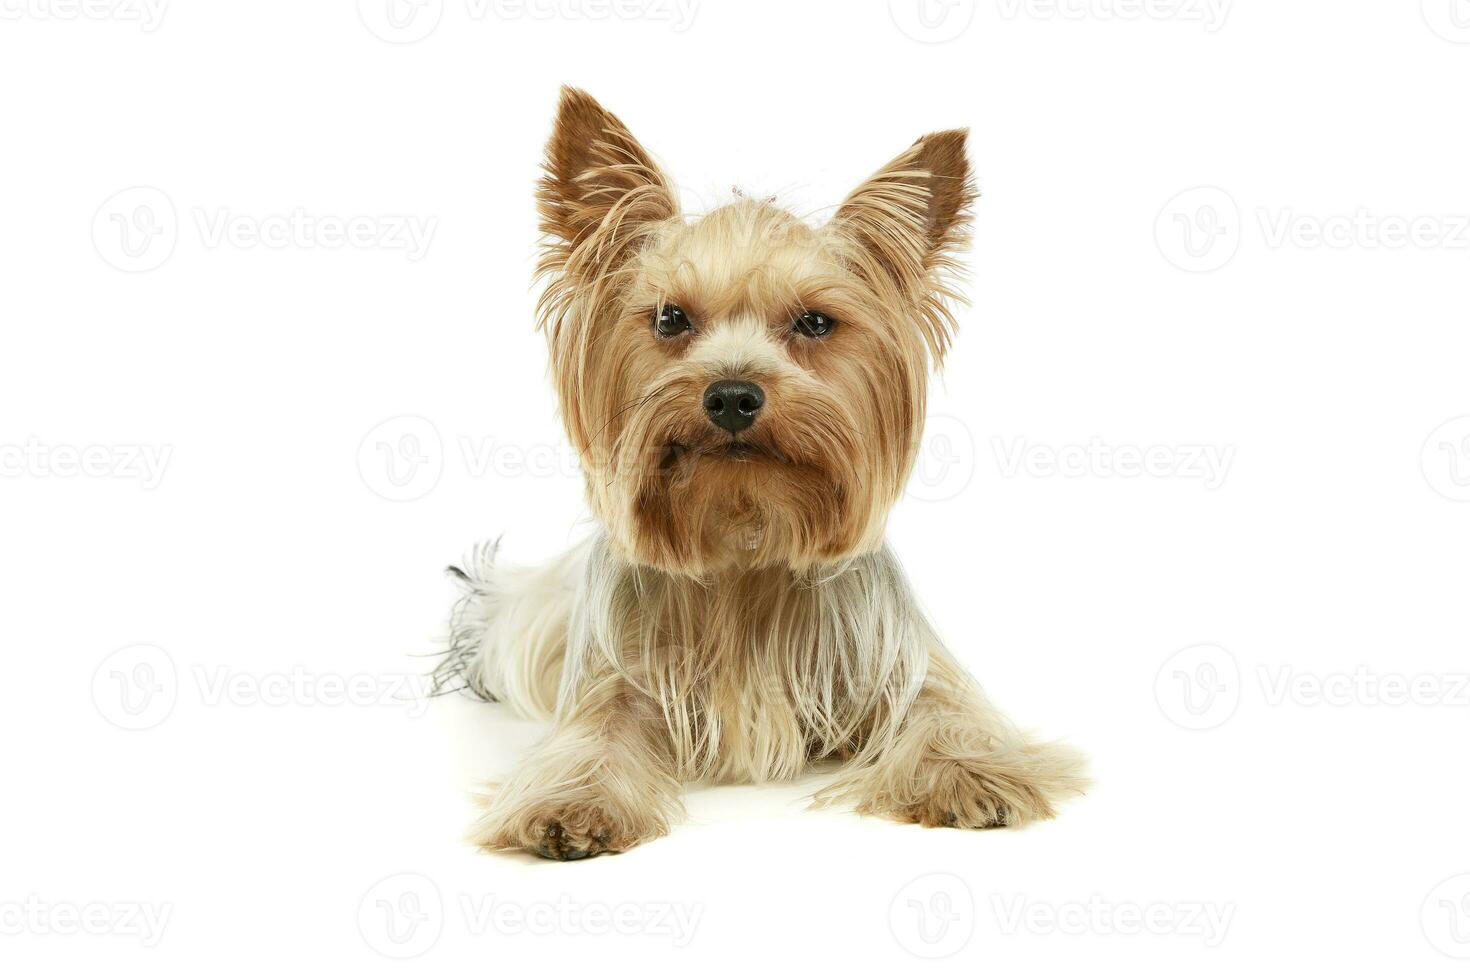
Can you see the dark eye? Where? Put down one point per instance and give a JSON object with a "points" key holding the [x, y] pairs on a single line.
{"points": [[669, 321], [813, 324]]}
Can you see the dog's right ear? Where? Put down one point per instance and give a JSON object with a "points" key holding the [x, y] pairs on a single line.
{"points": [[600, 191]]}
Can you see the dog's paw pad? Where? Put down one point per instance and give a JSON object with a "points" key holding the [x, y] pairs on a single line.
{"points": [[558, 844]]}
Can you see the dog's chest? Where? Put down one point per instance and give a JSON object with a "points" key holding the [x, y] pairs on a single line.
{"points": [[761, 734], [758, 703]]}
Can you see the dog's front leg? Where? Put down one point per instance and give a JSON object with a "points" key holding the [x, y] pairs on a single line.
{"points": [[953, 760], [602, 781]]}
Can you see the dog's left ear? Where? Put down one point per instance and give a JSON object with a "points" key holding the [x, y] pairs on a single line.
{"points": [[910, 221]]}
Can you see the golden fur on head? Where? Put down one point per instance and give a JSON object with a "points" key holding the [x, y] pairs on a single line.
{"points": [[738, 616], [817, 473]]}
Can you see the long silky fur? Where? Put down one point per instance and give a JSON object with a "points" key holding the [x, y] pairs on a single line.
{"points": [[712, 664], [737, 616]]}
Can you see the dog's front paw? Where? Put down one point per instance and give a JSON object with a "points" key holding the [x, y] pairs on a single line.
{"points": [[560, 845], [951, 794], [565, 828], [971, 794]]}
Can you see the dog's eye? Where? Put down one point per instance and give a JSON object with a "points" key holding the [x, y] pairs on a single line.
{"points": [[813, 324], [669, 321]]}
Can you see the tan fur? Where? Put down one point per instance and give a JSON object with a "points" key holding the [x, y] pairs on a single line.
{"points": [[738, 616]]}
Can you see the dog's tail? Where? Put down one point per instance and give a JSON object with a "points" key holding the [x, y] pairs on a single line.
{"points": [[507, 631], [459, 666]]}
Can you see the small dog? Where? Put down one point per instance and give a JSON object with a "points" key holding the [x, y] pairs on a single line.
{"points": [[746, 393]]}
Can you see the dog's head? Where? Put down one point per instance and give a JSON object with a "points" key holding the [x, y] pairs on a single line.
{"points": [[744, 389]]}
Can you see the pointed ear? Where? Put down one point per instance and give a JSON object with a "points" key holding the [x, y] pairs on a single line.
{"points": [[599, 184], [910, 221]]}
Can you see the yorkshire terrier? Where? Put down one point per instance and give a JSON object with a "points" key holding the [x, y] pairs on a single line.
{"points": [[746, 393]]}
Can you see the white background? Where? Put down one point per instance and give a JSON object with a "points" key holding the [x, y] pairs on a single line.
{"points": [[218, 775]]}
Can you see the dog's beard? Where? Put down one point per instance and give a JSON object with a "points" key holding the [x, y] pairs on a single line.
{"points": [[680, 459], [697, 500]]}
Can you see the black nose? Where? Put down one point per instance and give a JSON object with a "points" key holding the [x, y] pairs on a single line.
{"points": [[733, 405]]}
